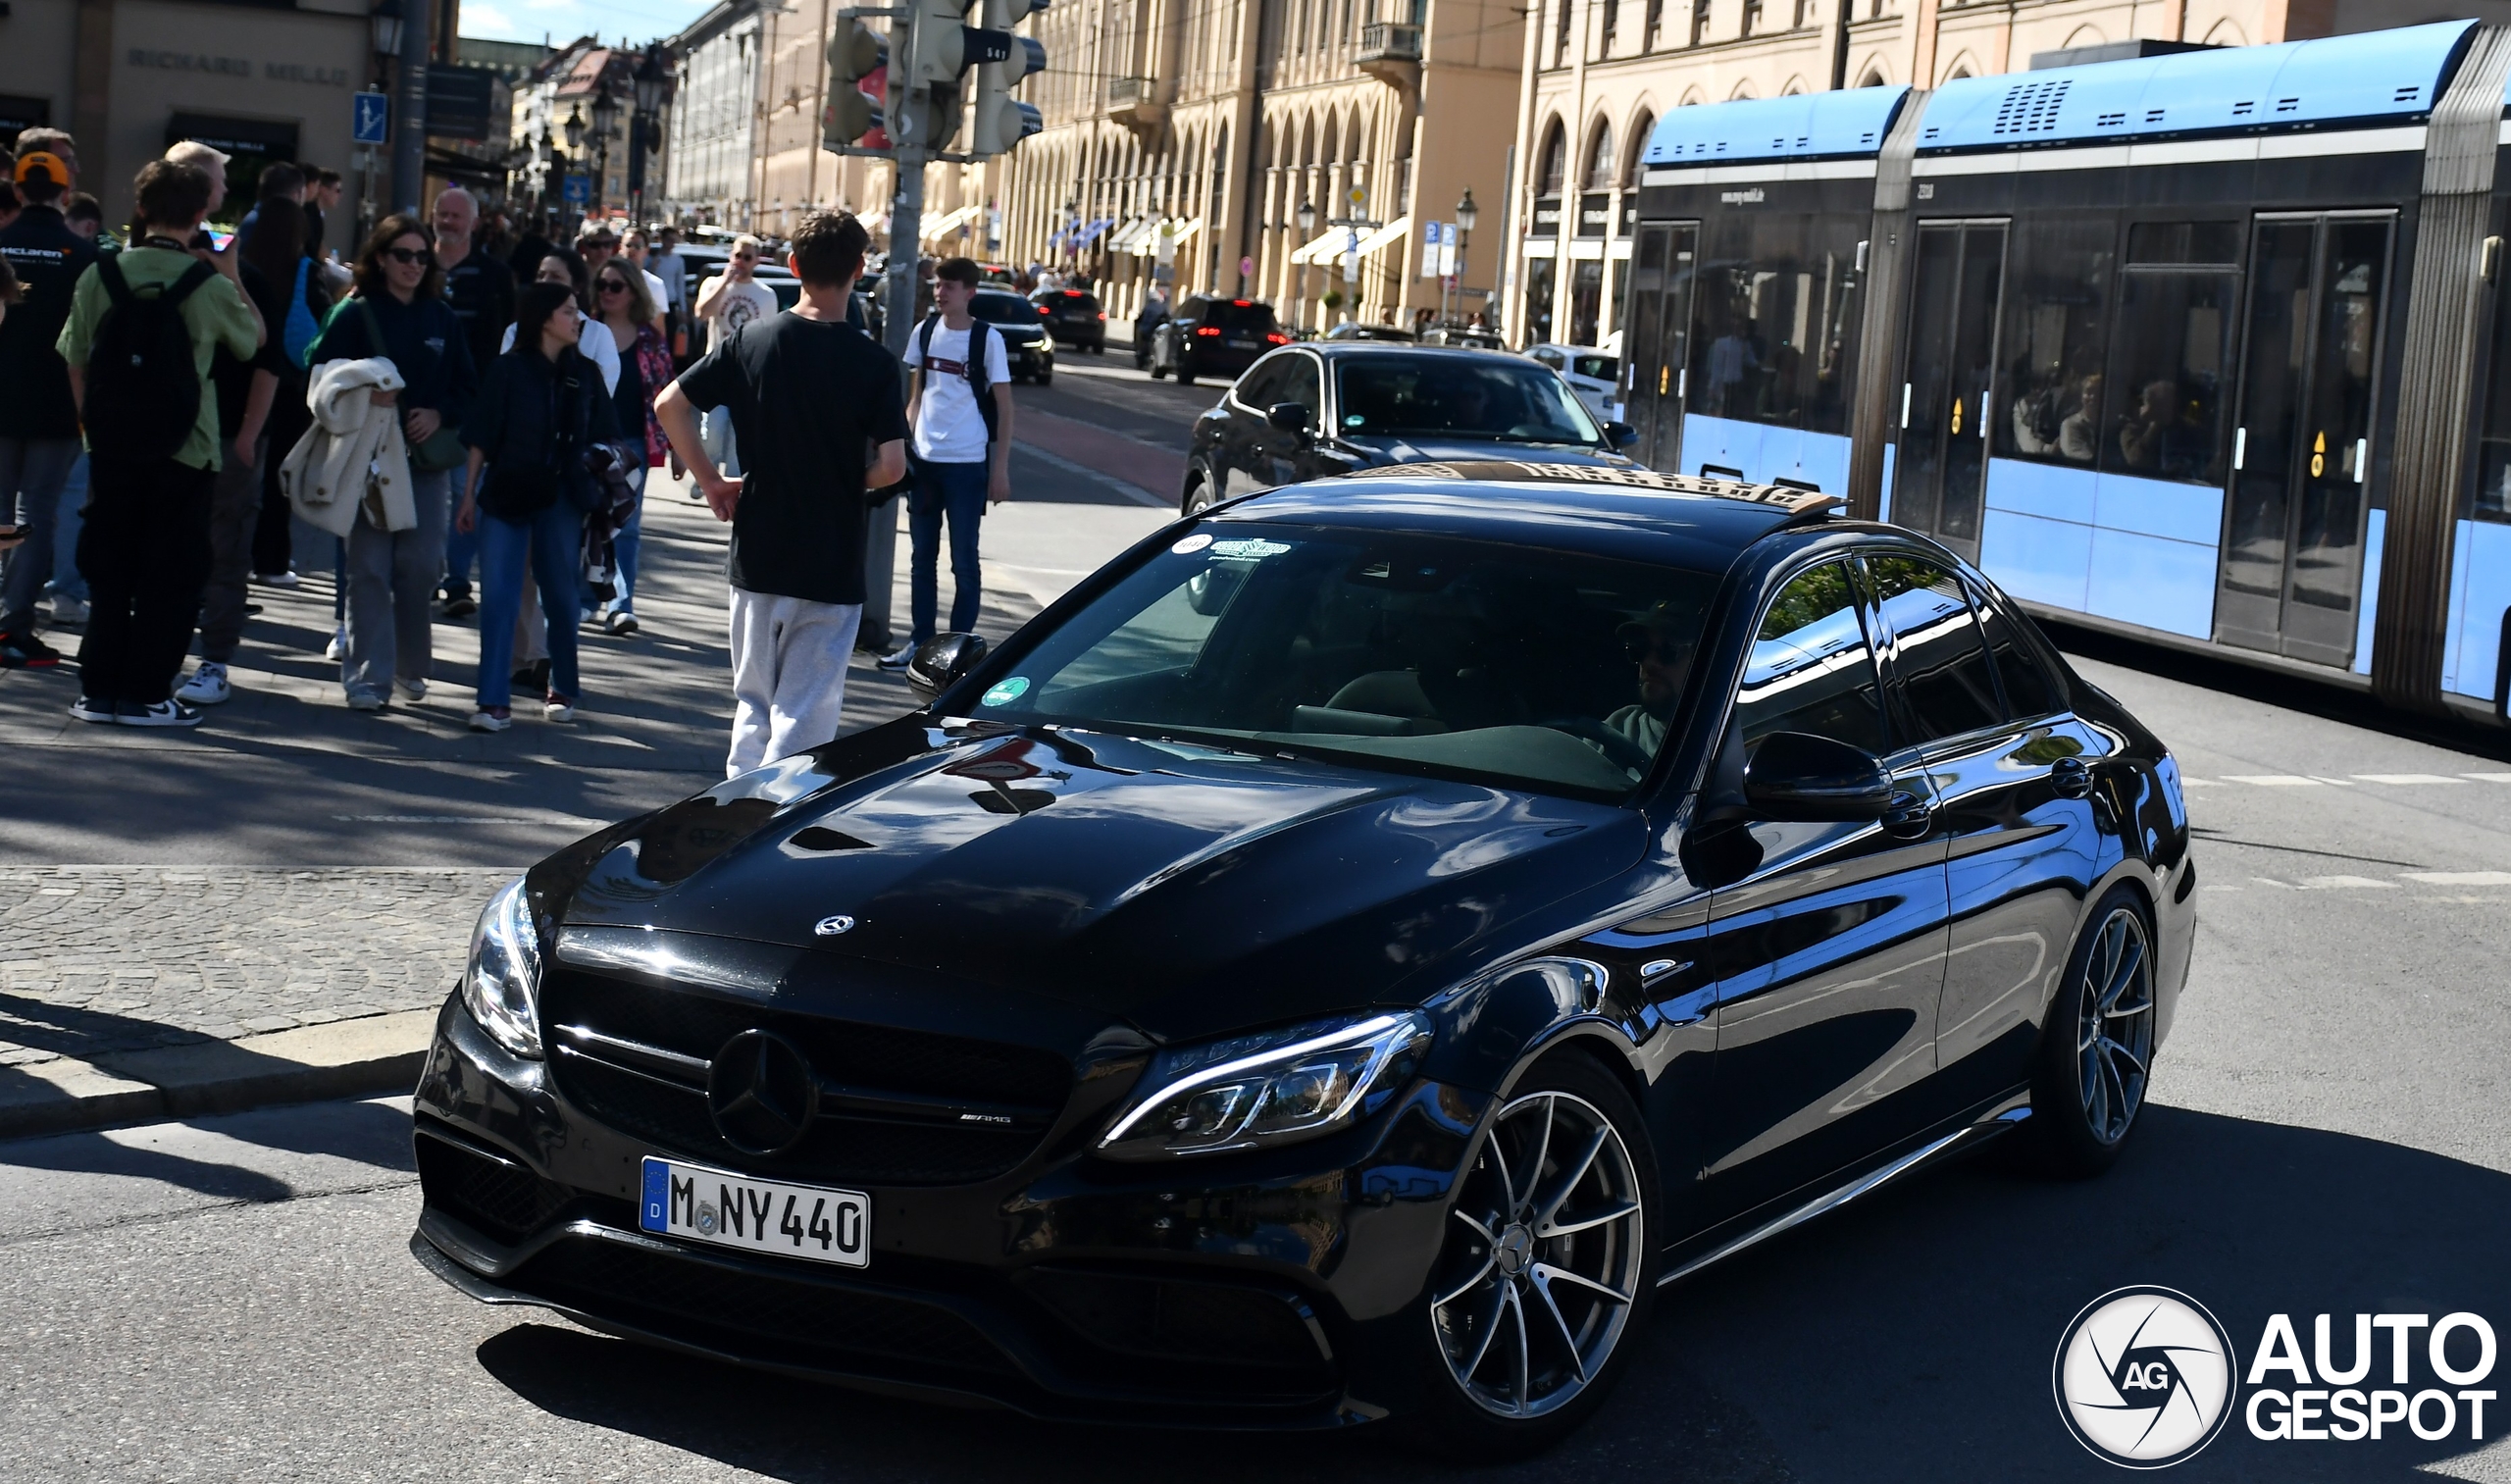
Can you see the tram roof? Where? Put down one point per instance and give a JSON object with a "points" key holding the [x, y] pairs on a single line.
{"points": [[1836, 125], [2363, 80]]}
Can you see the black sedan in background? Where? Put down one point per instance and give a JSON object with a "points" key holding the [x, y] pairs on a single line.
{"points": [[1334, 964], [1330, 407], [1212, 336], [1073, 316], [1027, 347]]}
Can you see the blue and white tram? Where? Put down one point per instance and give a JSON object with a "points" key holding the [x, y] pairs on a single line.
{"points": [[2201, 348]]}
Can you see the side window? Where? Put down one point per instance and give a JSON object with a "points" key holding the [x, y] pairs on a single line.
{"points": [[1261, 387], [1300, 384], [1812, 669], [2029, 689], [1937, 652]]}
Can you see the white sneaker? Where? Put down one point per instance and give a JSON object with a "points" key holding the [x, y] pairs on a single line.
{"points": [[331, 651], [896, 659], [365, 700], [276, 579], [208, 686], [558, 708], [410, 689], [67, 610], [486, 720]]}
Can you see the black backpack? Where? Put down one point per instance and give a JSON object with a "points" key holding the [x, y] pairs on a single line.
{"points": [[143, 383], [977, 384]]}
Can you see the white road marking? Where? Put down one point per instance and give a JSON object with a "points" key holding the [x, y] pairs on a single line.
{"points": [[2199, 782], [2270, 880], [2488, 777], [2460, 878], [2324, 883], [2273, 780], [2407, 778]]}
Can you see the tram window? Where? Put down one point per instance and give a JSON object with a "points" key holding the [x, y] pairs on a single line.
{"points": [[2494, 444], [1942, 665], [2169, 379], [1775, 318], [2057, 293], [2173, 242]]}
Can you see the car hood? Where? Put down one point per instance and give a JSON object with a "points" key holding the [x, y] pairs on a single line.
{"points": [[1189, 892], [1445, 450]]}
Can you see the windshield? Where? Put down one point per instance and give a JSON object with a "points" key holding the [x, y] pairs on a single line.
{"points": [[1003, 309], [1508, 401], [1231, 315], [1416, 653]]}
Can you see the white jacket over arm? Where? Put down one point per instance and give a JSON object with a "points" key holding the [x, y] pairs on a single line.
{"points": [[325, 475]]}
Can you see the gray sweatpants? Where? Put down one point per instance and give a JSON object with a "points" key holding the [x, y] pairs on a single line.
{"points": [[234, 509], [392, 576], [788, 675]]}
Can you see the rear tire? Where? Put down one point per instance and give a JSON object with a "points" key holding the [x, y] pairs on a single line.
{"points": [[2095, 1062], [1185, 373], [1528, 1327]]}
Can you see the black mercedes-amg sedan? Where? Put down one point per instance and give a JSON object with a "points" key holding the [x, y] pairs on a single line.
{"points": [[1336, 964]]}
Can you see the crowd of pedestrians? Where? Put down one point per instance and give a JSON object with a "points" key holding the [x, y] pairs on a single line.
{"points": [[461, 403]]}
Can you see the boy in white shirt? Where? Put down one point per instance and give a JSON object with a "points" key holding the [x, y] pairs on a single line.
{"points": [[731, 299], [962, 447]]}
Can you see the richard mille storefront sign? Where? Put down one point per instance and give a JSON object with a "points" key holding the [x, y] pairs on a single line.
{"points": [[238, 66]]}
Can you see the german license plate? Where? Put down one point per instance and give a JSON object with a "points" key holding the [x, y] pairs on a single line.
{"points": [[813, 1221], [1241, 345]]}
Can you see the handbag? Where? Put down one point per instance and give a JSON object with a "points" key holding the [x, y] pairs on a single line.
{"points": [[443, 448]]}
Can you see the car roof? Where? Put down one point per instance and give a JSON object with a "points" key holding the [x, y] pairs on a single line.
{"points": [[1397, 348], [1631, 514]]}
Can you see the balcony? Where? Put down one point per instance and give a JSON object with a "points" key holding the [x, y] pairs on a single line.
{"points": [[1391, 53], [1134, 102]]}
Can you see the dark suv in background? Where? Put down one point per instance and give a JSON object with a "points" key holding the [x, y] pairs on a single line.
{"points": [[1073, 316], [1026, 347], [1213, 336]]}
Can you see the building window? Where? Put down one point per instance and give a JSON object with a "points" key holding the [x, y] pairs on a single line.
{"points": [[1655, 24], [1611, 27], [1598, 175], [1555, 158], [1752, 16], [1698, 22], [1560, 37], [1641, 128]]}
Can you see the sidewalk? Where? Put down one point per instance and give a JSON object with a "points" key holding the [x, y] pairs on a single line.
{"points": [[131, 991]]}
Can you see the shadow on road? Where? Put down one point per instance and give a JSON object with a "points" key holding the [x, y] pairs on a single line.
{"points": [[1907, 1339]]}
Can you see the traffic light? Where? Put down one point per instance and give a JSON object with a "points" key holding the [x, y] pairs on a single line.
{"points": [[857, 67], [1003, 120]]}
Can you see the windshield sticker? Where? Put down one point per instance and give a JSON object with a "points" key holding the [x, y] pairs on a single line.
{"points": [[1004, 692], [1249, 550], [1354, 419], [1192, 544]]}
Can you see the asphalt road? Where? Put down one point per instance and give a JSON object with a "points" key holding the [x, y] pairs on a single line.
{"points": [[2328, 1134]]}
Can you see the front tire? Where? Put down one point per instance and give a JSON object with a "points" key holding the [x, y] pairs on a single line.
{"points": [[2097, 1045], [1549, 1269], [1185, 371]]}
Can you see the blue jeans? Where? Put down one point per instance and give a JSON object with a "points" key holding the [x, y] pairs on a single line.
{"points": [[461, 554], [554, 543], [32, 472], [66, 518], [955, 490], [624, 548]]}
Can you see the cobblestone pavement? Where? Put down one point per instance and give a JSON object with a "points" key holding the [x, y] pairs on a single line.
{"points": [[96, 959]]}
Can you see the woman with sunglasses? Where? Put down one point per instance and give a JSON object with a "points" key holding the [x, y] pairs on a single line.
{"points": [[626, 305], [399, 312], [539, 408]]}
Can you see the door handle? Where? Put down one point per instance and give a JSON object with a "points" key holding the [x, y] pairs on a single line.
{"points": [[1907, 816], [2071, 778]]}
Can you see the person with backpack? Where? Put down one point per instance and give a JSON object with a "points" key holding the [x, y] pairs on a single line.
{"points": [[273, 258], [38, 424], [542, 406], [400, 313], [960, 407], [141, 331]]}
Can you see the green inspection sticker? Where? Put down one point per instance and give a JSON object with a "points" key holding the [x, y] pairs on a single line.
{"points": [[1007, 692]]}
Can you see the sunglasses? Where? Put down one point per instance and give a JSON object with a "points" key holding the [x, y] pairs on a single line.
{"points": [[613, 285], [409, 255]]}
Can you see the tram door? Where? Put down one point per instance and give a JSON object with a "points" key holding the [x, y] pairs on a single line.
{"points": [[1658, 317], [2293, 569], [1940, 472]]}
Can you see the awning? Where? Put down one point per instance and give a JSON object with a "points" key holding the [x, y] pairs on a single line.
{"points": [[1179, 231], [1325, 248], [1131, 236], [947, 223], [1330, 247], [1393, 232], [877, 223], [1083, 238]]}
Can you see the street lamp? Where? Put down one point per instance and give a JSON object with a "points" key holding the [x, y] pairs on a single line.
{"points": [[653, 81], [1465, 215], [575, 127], [386, 19], [605, 114], [1306, 233]]}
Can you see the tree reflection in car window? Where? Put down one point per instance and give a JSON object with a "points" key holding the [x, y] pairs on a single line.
{"points": [[1937, 652], [1546, 669], [1812, 669]]}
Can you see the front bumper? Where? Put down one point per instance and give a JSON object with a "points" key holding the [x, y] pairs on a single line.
{"points": [[1277, 1291]]}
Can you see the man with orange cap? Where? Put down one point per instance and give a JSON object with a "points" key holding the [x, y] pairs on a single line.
{"points": [[38, 421]]}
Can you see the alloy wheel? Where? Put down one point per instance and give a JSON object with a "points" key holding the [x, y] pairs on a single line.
{"points": [[2115, 1025], [1545, 1254]]}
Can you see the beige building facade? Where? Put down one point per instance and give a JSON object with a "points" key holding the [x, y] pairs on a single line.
{"points": [[1183, 135], [1597, 74], [127, 78]]}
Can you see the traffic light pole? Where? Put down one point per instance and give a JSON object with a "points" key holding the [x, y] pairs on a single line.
{"points": [[898, 325]]}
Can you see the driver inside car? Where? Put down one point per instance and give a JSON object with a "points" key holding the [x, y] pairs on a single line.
{"points": [[1658, 644]]}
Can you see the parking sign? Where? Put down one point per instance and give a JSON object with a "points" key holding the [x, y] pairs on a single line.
{"points": [[370, 117]]}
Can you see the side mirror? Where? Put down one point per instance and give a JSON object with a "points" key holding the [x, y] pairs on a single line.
{"points": [[941, 661], [1289, 416], [1800, 777], [1620, 435]]}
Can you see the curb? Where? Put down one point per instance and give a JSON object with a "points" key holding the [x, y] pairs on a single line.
{"points": [[348, 1058]]}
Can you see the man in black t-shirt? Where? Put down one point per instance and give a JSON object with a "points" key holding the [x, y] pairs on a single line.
{"points": [[810, 394], [38, 421]]}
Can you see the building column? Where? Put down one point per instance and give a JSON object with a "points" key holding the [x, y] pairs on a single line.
{"points": [[92, 79]]}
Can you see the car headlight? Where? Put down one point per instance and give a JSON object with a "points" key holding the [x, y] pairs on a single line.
{"points": [[501, 983], [1273, 1088]]}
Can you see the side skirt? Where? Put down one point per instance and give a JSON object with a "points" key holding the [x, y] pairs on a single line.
{"points": [[2001, 1118]]}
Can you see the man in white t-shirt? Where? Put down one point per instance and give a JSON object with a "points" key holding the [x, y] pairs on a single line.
{"points": [[962, 447], [730, 300]]}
